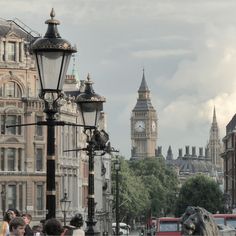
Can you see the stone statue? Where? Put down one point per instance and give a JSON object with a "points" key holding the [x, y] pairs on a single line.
{"points": [[198, 221]]}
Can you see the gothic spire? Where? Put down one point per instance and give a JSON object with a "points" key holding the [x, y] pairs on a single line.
{"points": [[143, 101], [214, 115], [214, 144], [214, 125], [143, 87]]}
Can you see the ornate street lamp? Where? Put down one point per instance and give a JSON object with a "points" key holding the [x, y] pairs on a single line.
{"points": [[117, 169], [91, 104], [65, 204], [52, 55]]}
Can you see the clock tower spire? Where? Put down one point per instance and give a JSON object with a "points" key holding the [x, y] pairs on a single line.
{"points": [[143, 124]]}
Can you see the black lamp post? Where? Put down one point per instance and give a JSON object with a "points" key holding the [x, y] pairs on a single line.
{"points": [[117, 169], [91, 104], [52, 55], [65, 204]]}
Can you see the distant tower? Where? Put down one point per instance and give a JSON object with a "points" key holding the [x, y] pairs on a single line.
{"points": [[169, 155], [214, 147], [143, 124]]}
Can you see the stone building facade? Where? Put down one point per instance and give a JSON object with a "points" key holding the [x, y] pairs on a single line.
{"points": [[23, 148], [229, 158], [206, 161]]}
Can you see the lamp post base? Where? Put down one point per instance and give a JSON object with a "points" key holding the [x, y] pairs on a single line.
{"points": [[91, 229]]}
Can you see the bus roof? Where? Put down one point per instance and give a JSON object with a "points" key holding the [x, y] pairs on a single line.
{"points": [[224, 215], [168, 219]]}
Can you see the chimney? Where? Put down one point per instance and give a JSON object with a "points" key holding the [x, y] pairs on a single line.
{"points": [[180, 153], [194, 152], [200, 152], [186, 151], [206, 153]]}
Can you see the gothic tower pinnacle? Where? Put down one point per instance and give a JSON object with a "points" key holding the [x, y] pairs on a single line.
{"points": [[214, 145]]}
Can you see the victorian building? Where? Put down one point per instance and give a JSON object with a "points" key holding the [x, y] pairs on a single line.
{"points": [[229, 158], [191, 163], [23, 148], [143, 125], [207, 161]]}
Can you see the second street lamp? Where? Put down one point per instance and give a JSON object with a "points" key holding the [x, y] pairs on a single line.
{"points": [[91, 104], [117, 169], [52, 54], [65, 205]]}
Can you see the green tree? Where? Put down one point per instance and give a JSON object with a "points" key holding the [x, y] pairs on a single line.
{"points": [[161, 183], [134, 198], [200, 191]]}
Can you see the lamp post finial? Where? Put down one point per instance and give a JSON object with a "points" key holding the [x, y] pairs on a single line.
{"points": [[52, 14]]}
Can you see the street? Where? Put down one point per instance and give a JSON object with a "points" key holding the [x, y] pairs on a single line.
{"points": [[134, 233]]}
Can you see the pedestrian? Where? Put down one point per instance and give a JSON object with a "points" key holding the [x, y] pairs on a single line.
{"points": [[37, 230], [8, 216], [53, 227], [77, 223], [17, 226], [27, 219]]}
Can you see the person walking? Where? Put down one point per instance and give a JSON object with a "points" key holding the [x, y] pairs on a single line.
{"points": [[17, 226], [77, 223], [8, 216], [53, 227], [27, 219]]}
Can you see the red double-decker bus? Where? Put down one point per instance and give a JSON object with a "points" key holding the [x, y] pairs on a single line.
{"points": [[168, 226], [225, 219]]}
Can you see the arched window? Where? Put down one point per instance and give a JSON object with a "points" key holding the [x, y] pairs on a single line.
{"points": [[10, 89]]}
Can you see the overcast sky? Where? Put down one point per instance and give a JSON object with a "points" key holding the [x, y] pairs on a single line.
{"points": [[187, 47]]}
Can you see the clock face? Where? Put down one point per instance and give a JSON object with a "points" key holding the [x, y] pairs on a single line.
{"points": [[139, 126], [153, 126]]}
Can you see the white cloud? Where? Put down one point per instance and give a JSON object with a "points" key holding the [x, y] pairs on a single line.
{"points": [[158, 53], [187, 47]]}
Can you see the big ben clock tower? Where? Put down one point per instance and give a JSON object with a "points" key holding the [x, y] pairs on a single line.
{"points": [[143, 125]]}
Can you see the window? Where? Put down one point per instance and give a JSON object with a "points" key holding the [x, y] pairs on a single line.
{"points": [[10, 89], [20, 197], [84, 196], [10, 120], [39, 197], [11, 196], [11, 154], [39, 129], [19, 159], [3, 121], [4, 51], [73, 136], [39, 159], [2, 159], [11, 50]]}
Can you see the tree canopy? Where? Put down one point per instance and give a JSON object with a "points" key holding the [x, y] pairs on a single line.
{"points": [[160, 182], [200, 191], [147, 187], [133, 195]]}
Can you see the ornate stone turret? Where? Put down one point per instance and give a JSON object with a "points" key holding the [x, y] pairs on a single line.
{"points": [[214, 146]]}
